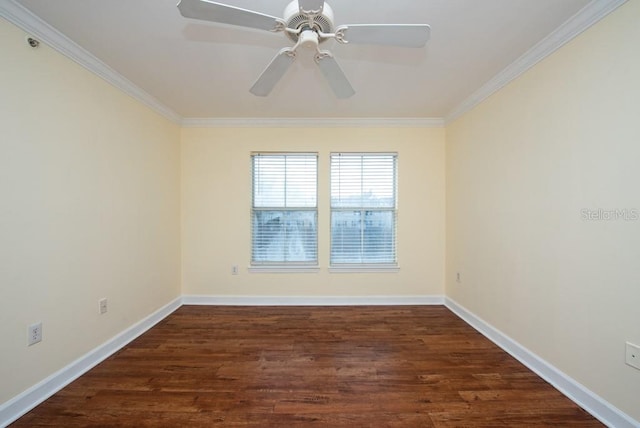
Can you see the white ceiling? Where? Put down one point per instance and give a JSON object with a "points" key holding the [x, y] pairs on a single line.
{"points": [[197, 69]]}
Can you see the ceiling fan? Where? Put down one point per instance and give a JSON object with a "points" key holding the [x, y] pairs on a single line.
{"points": [[307, 23]]}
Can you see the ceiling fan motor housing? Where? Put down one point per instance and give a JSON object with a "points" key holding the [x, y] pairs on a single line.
{"points": [[295, 20]]}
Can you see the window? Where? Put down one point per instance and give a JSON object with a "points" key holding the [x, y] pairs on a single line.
{"points": [[363, 209], [284, 209]]}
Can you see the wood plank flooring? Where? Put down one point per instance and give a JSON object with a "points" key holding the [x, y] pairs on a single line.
{"points": [[407, 366]]}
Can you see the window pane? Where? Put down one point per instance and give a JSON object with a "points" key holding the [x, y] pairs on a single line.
{"points": [[301, 173], [346, 237], [346, 181], [284, 236], [362, 181], [284, 181], [379, 237], [268, 181], [363, 237], [378, 181]]}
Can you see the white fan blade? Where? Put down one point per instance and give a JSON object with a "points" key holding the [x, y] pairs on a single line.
{"points": [[335, 76], [405, 35], [311, 5], [225, 14], [273, 73]]}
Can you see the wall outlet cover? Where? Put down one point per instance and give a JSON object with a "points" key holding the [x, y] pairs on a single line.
{"points": [[103, 306], [34, 333], [633, 355]]}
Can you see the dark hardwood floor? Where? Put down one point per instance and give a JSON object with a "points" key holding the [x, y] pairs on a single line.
{"points": [[407, 366]]}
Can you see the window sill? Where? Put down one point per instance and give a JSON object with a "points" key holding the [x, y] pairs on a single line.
{"points": [[364, 269], [283, 269]]}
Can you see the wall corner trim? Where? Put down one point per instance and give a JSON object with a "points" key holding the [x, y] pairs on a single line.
{"points": [[24, 402], [592, 403]]}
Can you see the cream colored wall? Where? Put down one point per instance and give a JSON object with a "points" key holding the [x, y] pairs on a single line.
{"points": [[521, 168], [216, 200], [89, 208]]}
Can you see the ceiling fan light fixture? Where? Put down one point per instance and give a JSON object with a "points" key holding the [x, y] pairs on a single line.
{"points": [[308, 39]]}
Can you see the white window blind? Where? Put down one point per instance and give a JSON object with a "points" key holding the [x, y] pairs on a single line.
{"points": [[284, 209], [363, 208]]}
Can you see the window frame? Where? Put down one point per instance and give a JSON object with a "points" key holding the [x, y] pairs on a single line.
{"points": [[282, 266], [365, 266]]}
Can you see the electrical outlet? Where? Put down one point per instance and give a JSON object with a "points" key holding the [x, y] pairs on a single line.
{"points": [[234, 270], [102, 303], [633, 355], [34, 333]]}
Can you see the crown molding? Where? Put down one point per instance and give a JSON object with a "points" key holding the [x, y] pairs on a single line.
{"points": [[309, 122], [581, 21], [27, 21]]}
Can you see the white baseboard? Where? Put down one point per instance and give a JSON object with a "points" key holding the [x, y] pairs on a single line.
{"points": [[21, 404], [592, 403], [312, 300]]}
